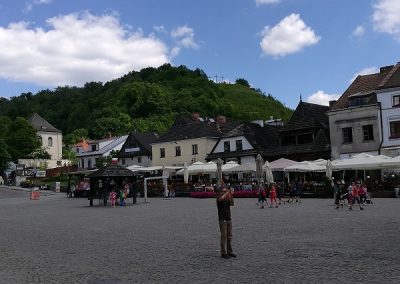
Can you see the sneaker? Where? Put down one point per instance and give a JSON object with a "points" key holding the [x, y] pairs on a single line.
{"points": [[276, 206], [262, 207], [231, 254], [361, 208], [225, 255], [350, 208]]}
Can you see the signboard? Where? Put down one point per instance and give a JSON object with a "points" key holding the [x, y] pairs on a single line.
{"points": [[128, 150], [40, 173]]}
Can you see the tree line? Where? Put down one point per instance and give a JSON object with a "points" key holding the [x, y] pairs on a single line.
{"points": [[145, 100]]}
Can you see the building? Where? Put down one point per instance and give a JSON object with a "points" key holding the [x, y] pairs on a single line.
{"points": [[50, 136], [366, 118], [97, 149], [305, 136], [244, 142], [189, 140], [51, 139], [388, 96], [137, 149]]}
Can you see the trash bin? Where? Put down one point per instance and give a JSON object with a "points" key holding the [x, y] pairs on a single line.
{"points": [[396, 191]]}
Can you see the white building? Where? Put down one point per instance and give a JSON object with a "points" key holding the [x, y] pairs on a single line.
{"points": [[388, 95]]}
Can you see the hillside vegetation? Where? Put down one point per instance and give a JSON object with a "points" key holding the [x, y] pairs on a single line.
{"points": [[147, 100]]}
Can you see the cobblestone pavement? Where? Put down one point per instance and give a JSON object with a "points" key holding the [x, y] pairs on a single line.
{"points": [[61, 240]]}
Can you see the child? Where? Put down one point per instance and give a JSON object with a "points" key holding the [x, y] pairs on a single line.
{"points": [[272, 196], [113, 196], [121, 198]]}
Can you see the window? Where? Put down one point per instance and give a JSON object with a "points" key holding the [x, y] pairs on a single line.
{"points": [[239, 145], [305, 138], [347, 134], [139, 160], [195, 149], [396, 101], [177, 151], [395, 129], [227, 146], [77, 150], [162, 152], [50, 142], [368, 132], [93, 147], [89, 163], [123, 162], [288, 140], [357, 101]]}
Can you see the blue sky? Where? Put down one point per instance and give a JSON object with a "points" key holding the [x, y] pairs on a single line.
{"points": [[284, 47]]}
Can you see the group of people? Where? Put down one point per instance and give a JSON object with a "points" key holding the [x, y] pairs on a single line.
{"points": [[122, 195], [275, 193], [356, 192]]}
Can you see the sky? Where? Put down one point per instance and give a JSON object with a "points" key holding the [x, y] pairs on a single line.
{"points": [[289, 49]]}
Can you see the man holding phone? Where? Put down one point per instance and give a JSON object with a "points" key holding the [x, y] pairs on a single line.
{"points": [[224, 203]]}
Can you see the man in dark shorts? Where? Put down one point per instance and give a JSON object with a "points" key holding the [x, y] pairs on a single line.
{"points": [[224, 203]]}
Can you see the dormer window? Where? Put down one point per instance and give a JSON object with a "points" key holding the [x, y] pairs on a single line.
{"points": [[396, 101]]}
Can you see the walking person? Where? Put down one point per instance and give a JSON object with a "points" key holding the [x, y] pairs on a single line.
{"points": [[272, 195], [224, 203], [113, 197], [355, 197]]}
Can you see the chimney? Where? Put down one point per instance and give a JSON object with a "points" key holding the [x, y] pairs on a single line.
{"points": [[332, 103], [385, 69]]}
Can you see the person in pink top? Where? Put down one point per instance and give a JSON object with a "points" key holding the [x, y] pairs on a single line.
{"points": [[272, 196], [113, 196], [355, 196]]}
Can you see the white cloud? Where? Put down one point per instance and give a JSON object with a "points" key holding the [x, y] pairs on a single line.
{"points": [[29, 5], [365, 71], [322, 98], [160, 29], [289, 36], [359, 31], [386, 17], [75, 49], [184, 37], [266, 2]]}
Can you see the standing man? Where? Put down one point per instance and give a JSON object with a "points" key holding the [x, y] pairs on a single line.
{"points": [[224, 203]]}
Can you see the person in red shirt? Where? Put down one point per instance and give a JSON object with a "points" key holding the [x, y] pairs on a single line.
{"points": [[355, 196], [272, 196]]}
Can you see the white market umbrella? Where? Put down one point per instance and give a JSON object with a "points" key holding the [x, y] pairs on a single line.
{"points": [[185, 173], [219, 171], [244, 168], [259, 168], [229, 165], [269, 177], [329, 169]]}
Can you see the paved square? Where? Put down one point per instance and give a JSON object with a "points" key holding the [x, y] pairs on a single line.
{"points": [[61, 240]]}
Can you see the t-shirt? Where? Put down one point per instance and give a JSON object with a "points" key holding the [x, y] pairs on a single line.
{"points": [[224, 210]]}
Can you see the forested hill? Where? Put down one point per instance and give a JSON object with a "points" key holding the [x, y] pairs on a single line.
{"points": [[148, 100]]}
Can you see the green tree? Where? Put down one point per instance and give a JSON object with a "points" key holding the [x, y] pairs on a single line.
{"points": [[243, 82], [21, 139]]}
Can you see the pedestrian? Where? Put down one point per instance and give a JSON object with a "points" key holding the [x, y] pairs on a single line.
{"points": [[262, 196], [338, 194], [272, 195], [121, 197], [280, 192], [113, 197], [224, 203], [355, 197]]}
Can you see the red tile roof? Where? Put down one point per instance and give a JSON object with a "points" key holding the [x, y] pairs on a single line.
{"points": [[388, 77]]}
